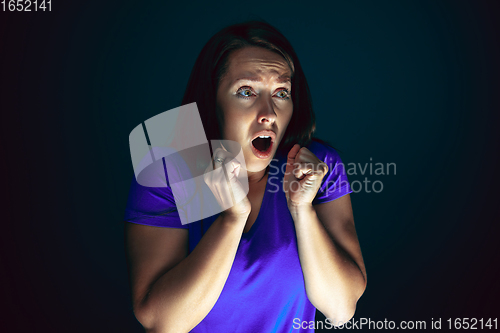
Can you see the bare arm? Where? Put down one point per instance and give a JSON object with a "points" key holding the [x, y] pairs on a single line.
{"points": [[173, 291], [330, 257], [329, 251]]}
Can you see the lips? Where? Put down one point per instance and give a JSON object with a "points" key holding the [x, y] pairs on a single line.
{"points": [[262, 143]]}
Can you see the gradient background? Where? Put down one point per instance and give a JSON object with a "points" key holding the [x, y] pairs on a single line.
{"points": [[415, 83]]}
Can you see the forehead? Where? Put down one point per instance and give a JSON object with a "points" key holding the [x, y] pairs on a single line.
{"points": [[257, 62]]}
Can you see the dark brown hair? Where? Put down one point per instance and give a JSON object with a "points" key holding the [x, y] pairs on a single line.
{"points": [[211, 66]]}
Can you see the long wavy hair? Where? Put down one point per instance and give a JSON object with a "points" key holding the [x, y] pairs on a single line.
{"points": [[212, 64]]}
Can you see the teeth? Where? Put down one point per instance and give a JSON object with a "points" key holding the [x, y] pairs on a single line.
{"points": [[264, 136]]}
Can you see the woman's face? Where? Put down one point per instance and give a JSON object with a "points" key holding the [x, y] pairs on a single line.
{"points": [[255, 104]]}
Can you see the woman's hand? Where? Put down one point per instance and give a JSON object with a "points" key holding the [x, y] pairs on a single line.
{"points": [[303, 175], [224, 183]]}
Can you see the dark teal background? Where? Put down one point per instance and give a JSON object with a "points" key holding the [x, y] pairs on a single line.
{"points": [[414, 83]]}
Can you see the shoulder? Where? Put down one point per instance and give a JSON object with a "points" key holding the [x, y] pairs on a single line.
{"points": [[335, 183], [324, 151]]}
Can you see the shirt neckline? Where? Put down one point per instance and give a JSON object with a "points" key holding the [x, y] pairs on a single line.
{"points": [[263, 207]]}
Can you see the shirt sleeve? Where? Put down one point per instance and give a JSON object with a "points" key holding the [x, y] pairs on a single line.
{"points": [[153, 206], [335, 183]]}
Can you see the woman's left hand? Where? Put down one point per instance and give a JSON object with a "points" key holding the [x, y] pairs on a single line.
{"points": [[303, 175]]}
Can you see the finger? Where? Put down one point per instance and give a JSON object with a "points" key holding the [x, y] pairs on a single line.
{"points": [[220, 157], [323, 167], [233, 170], [218, 162], [305, 155], [291, 158], [229, 191], [293, 152], [219, 184], [304, 169], [300, 170], [225, 168]]}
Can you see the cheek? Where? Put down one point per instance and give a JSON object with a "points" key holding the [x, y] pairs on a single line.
{"points": [[230, 124], [236, 126], [287, 118]]}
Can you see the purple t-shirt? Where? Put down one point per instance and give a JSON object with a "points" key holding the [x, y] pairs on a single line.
{"points": [[265, 289]]}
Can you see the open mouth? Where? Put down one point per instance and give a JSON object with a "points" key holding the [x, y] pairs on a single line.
{"points": [[262, 143]]}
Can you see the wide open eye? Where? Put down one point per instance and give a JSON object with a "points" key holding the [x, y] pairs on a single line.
{"points": [[283, 93], [244, 92]]}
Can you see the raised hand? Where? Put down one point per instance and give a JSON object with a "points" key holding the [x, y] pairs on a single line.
{"points": [[303, 175], [225, 185]]}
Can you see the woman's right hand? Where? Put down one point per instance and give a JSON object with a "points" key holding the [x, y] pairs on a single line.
{"points": [[226, 187]]}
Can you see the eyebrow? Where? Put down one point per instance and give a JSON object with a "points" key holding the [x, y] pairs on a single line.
{"points": [[281, 79]]}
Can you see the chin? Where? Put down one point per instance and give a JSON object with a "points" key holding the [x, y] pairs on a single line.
{"points": [[257, 168], [256, 165]]}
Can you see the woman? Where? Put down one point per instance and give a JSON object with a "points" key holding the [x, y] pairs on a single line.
{"points": [[286, 248]]}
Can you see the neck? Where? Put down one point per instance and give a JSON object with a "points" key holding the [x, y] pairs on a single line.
{"points": [[256, 177]]}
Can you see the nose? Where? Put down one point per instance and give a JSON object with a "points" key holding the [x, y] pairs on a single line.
{"points": [[266, 113]]}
